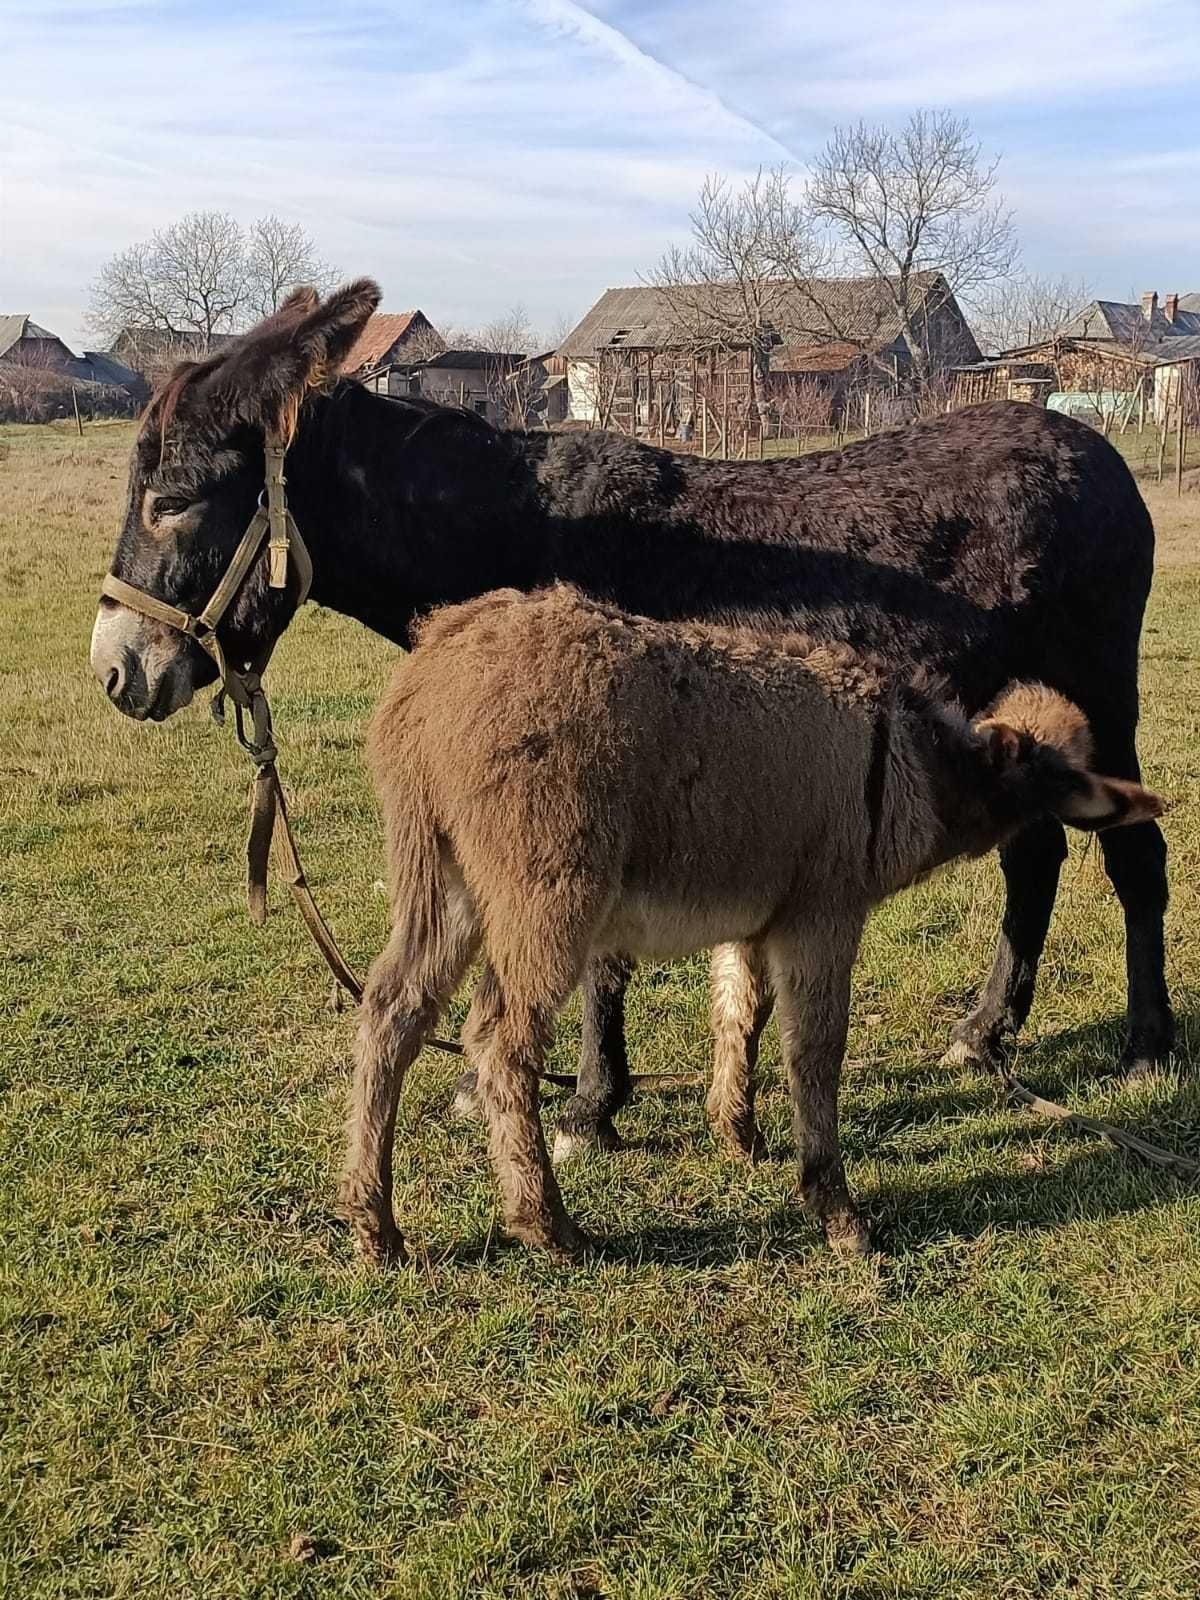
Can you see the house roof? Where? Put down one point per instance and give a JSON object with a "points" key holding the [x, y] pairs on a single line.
{"points": [[473, 360], [1154, 353], [1189, 302], [377, 338], [1127, 323], [834, 357], [15, 326], [158, 343], [1185, 347], [97, 366], [642, 318]]}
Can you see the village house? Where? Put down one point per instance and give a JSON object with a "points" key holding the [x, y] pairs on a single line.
{"points": [[389, 339], [631, 365], [23, 342], [39, 371], [1112, 361], [476, 380]]}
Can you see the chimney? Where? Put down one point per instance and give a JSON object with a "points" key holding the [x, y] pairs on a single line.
{"points": [[1150, 304], [1171, 307]]}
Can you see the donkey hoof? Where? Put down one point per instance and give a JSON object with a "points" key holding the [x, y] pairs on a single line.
{"points": [[465, 1106], [561, 1239], [571, 1143], [1140, 1064], [971, 1051]]}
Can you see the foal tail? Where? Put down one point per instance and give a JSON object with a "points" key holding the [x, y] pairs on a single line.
{"points": [[417, 874]]}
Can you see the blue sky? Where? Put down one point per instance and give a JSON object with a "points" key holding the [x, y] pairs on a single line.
{"points": [[475, 153]]}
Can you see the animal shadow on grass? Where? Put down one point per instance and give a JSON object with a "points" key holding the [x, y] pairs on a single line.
{"points": [[1094, 1181]]}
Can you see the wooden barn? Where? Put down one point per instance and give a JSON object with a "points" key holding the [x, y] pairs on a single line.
{"points": [[631, 365]]}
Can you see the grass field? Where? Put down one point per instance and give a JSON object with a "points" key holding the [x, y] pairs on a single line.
{"points": [[202, 1392]]}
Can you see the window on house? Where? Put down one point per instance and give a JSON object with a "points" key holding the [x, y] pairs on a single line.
{"points": [[481, 407]]}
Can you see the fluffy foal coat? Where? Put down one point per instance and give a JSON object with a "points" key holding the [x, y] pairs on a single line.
{"points": [[562, 780]]}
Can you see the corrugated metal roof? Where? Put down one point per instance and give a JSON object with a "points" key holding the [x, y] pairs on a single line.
{"points": [[642, 318], [12, 328], [1127, 323], [20, 325], [377, 338], [1185, 347]]}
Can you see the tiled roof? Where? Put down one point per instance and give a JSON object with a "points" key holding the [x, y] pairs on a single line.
{"points": [[377, 338]]}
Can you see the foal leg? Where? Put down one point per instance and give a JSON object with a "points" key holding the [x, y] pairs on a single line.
{"points": [[603, 1086], [741, 1004], [1031, 863], [810, 967], [405, 993], [507, 1043]]}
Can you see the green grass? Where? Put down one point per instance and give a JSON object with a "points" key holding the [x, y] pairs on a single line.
{"points": [[195, 1370]]}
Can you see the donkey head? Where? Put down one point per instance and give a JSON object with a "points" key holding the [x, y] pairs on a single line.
{"points": [[197, 471]]}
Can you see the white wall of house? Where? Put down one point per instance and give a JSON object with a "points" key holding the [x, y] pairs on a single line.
{"points": [[1167, 380], [582, 399]]}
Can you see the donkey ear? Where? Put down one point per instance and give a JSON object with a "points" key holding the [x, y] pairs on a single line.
{"points": [[1110, 803], [326, 336]]}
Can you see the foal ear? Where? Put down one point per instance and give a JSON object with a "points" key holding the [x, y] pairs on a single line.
{"points": [[1003, 743], [1110, 803]]}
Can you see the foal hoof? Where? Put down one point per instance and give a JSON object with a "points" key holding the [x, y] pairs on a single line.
{"points": [[465, 1106], [561, 1240], [740, 1142], [848, 1236], [380, 1246], [571, 1143], [1140, 1064]]}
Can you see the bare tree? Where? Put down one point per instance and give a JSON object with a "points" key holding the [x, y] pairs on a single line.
{"points": [[1026, 310], [425, 342], [727, 290], [899, 208], [201, 276], [278, 256]]}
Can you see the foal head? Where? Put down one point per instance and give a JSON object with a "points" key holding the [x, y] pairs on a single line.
{"points": [[197, 471]]}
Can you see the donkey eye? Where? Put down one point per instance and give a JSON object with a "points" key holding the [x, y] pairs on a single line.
{"points": [[167, 505]]}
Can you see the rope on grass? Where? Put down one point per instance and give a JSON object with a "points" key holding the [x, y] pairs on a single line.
{"points": [[1156, 1154]]}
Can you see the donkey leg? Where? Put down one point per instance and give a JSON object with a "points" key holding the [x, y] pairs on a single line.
{"points": [[741, 1004], [810, 968], [603, 1088], [508, 1043], [1031, 864], [402, 1000], [1135, 859]]}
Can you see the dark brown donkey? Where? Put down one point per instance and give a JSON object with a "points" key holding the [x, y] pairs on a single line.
{"points": [[998, 543]]}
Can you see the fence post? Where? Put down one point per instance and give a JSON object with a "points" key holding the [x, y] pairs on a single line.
{"points": [[75, 403], [1180, 436]]}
